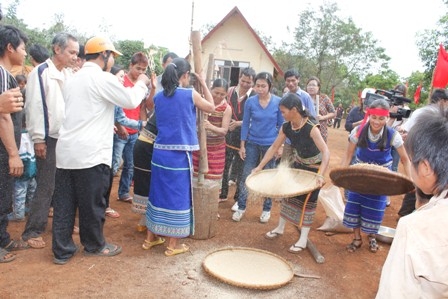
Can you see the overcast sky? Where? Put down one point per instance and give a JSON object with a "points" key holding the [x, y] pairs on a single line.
{"points": [[394, 23]]}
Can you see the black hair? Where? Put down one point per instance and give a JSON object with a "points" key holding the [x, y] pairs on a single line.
{"points": [[168, 55], [173, 71], [116, 68], [438, 95], [401, 88], [220, 83], [264, 76], [81, 53], [20, 78], [248, 72], [362, 140], [428, 140], [11, 35], [293, 100], [39, 53], [292, 72]]}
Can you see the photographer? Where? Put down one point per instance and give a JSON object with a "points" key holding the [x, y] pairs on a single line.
{"points": [[398, 113]]}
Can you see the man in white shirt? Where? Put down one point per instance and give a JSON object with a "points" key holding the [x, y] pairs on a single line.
{"points": [[44, 110], [84, 151]]}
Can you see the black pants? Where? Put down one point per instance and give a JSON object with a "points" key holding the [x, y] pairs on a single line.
{"points": [[338, 122], [40, 205], [233, 164], [86, 190], [6, 195], [408, 204]]}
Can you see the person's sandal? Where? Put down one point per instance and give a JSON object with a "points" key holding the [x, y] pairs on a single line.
{"points": [[148, 244], [6, 256], [17, 245], [354, 245], [174, 251], [373, 245]]}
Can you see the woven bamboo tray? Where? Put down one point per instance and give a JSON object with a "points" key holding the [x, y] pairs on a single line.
{"points": [[371, 179], [248, 268], [281, 182]]}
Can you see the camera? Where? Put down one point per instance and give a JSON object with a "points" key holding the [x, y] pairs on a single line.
{"points": [[394, 98]]}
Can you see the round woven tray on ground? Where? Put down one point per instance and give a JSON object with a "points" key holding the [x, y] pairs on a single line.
{"points": [[371, 179], [248, 268], [281, 182]]}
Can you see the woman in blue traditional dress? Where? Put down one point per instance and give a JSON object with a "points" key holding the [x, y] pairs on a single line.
{"points": [[169, 212], [373, 143]]}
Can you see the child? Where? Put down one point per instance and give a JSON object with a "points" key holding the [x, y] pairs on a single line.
{"points": [[24, 186], [417, 261], [310, 153], [372, 141]]}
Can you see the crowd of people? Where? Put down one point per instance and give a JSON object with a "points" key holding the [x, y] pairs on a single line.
{"points": [[84, 116]]}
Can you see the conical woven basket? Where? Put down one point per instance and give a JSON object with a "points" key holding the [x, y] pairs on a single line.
{"points": [[371, 179], [281, 182], [248, 268]]}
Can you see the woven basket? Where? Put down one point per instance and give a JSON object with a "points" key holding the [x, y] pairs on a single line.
{"points": [[371, 179], [281, 183], [248, 268]]}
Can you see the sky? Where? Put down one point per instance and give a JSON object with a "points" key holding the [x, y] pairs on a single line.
{"points": [[394, 23]]}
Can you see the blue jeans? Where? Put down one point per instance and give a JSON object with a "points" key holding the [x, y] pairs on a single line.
{"points": [[125, 149], [254, 154], [23, 194]]}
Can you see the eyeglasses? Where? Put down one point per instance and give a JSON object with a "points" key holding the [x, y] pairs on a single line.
{"points": [[312, 85]]}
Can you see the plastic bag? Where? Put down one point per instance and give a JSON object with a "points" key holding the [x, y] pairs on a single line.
{"points": [[331, 200]]}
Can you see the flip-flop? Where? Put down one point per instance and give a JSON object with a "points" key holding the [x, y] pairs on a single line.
{"points": [[112, 213], [36, 243], [65, 261], [4, 253], [16, 245], [272, 235], [127, 199], [112, 250], [174, 251], [148, 244], [295, 249]]}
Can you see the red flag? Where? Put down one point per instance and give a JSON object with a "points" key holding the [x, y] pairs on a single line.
{"points": [[417, 93], [332, 94], [440, 78]]}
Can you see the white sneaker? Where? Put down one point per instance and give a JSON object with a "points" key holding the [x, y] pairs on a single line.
{"points": [[265, 217], [235, 206], [238, 215]]}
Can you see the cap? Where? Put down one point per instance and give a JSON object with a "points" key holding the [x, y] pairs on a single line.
{"points": [[99, 44]]}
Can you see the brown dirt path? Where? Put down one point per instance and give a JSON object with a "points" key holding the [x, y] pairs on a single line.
{"points": [[137, 273]]}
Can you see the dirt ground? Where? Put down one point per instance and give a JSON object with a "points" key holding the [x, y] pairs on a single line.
{"points": [[137, 273]]}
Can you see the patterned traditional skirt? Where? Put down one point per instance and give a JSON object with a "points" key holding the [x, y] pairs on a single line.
{"points": [[216, 155], [300, 210], [142, 175], [365, 211], [169, 211]]}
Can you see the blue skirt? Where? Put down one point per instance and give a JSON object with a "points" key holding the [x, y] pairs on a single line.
{"points": [[169, 211], [364, 211]]}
